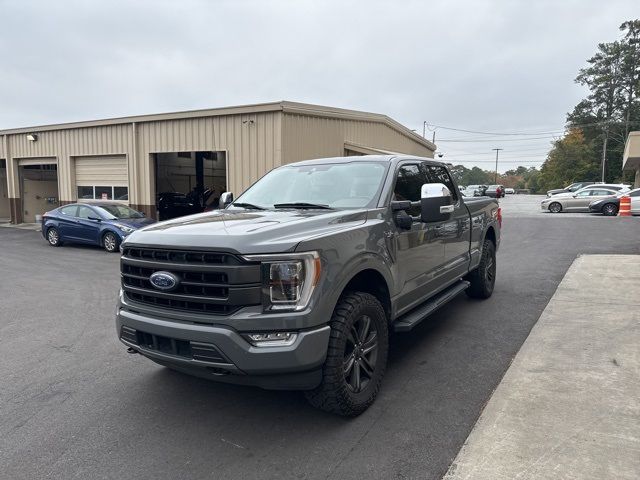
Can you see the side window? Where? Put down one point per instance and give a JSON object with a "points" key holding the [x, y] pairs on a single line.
{"points": [[635, 194], [584, 193], [85, 212], [408, 185], [439, 174], [69, 211]]}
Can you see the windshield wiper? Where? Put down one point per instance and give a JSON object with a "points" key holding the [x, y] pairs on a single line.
{"points": [[302, 205], [249, 206]]}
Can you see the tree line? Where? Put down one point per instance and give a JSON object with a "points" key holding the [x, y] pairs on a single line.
{"points": [[596, 129]]}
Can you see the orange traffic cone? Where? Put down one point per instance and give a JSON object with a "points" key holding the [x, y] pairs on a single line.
{"points": [[625, 206]]}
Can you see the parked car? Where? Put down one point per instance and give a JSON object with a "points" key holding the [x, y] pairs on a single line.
{"points": [[618, 187], [494, 191], [105, 224], [574, 187], [175, 204], [509, 191], [578, 202], [476, 190], [609, 206], [296, 284]]}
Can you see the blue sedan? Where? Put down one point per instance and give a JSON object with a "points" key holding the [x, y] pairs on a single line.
{"points": [[104, 224]]}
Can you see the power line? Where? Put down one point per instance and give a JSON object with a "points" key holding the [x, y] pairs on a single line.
{"points": [[479, 132], [474, 140]]}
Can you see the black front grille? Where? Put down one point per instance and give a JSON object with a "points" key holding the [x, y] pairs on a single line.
{"points": [[209, 282], [204, 352]]}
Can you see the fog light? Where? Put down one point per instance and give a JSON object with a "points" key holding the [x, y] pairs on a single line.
{"points": [[276, 339]]}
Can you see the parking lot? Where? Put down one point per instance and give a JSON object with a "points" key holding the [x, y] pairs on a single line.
{"points": [[76, 405]]}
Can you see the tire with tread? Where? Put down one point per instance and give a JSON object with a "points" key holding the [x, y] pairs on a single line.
{"points": [[483, 278], [335, 393], [609, 209], [110, 242], [53, 237], [555, 207]]}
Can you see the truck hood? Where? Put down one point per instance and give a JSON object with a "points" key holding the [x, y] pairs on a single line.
{"points": [[247, 231]]}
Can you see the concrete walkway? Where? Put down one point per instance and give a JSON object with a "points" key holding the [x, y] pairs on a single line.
{"points": [[569, 405], [24, 226]]}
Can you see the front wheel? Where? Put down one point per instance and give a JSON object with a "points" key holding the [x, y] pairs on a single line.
{"points": [[356, 357], [110, 242], [610, 210], [483, 278]]}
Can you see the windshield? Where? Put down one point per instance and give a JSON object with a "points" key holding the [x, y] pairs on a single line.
{"points": [[118, 211], [337, 185]]}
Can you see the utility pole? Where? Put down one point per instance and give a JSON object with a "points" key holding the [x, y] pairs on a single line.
{"points": [[495, 179], [424, 129]]}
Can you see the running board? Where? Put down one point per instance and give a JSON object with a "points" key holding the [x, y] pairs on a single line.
{"points": [[418, 314]]}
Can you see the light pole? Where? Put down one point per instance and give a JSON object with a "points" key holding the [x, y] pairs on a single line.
{"points": [[495, 179], [424, 129]]}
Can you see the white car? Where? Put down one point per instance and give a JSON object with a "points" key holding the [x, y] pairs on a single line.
{"points": [[619, 187], [509, 190]]}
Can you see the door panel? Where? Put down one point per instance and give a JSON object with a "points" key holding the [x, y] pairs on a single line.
{"points": [[419, 250], [87, 230], [455, 232], [66, 221]]}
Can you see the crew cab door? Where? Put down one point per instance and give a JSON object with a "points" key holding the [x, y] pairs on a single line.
{"points": [[418, 250], [455, 232]]}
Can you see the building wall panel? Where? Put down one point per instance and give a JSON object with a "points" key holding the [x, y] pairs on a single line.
{"points": [[306, 137]]}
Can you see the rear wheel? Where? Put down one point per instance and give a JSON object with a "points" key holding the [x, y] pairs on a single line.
{"points": [[483, 278], [110, 242], [356, 357], [555, 207], [610, 209]]}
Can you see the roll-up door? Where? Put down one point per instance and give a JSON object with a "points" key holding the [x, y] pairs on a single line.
{"points": [[108, 170]]}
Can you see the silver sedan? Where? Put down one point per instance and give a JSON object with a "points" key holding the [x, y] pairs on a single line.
{"points": [[578, 202]]}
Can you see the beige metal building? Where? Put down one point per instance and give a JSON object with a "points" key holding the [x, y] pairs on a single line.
{"points": [[631, 159], [133, 158]]}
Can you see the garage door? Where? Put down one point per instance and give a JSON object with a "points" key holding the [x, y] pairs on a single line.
{"points": [[102, 177], [110, 170]]}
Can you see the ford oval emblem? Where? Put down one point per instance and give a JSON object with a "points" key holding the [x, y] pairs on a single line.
{"points": [[165, 281]]}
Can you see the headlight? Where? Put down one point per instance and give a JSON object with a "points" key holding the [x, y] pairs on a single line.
{"points": [[288, 280], [124, 228]]}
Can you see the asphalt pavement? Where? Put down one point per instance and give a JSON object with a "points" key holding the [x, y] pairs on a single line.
{"points": [[75, 405]]}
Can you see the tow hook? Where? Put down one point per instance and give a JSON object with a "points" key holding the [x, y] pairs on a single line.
{"points": [[132, 350]]}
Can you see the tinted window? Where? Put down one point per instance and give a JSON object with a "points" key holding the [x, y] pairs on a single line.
{"points": [[439, 174], [599, 193], [634, 194], [85, 192], [85, 212], [118, 211], [121, 193], [70, 210], [409, 183]]}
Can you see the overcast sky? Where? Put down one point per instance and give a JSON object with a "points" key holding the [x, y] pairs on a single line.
{"points": [[498, 66]]}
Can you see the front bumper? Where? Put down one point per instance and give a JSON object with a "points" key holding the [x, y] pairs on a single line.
{"points": [[221, 353]]}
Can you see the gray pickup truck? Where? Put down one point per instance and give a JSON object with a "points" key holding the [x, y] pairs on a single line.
{"points": [[298, 283]]}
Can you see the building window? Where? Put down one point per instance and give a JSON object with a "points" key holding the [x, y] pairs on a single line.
{"points": [[85, 193], [3, 163], [103, 193]]}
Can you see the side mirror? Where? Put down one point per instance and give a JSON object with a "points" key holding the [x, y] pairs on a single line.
{"points": [[225, 199], [96, 219], [436, 202]]}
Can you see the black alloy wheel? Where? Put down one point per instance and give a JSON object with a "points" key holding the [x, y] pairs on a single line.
{"points": [[356, 356], [610, 210], [361, 354], [483, 278], [555, 207]]}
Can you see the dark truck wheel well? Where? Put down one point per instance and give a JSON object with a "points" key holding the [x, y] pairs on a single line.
{"points": [[491, 235], [371, 281]]}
